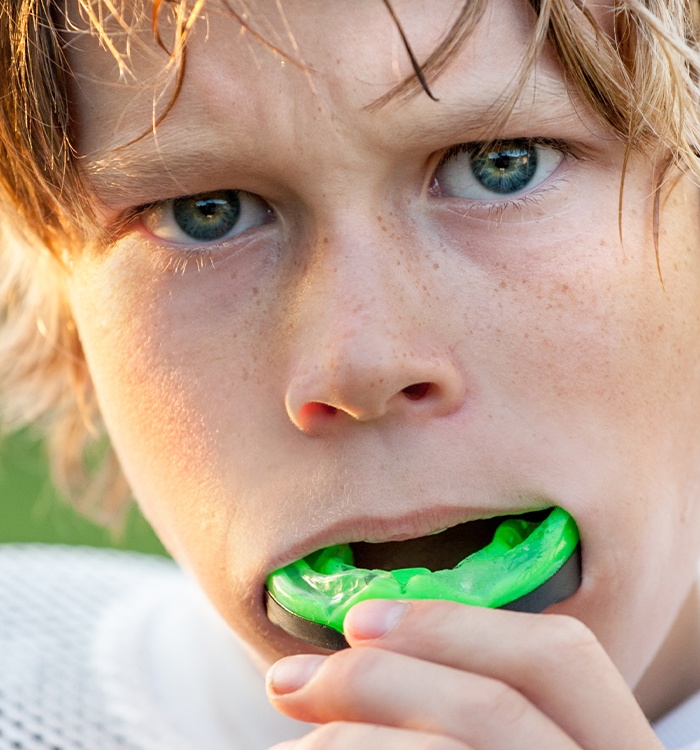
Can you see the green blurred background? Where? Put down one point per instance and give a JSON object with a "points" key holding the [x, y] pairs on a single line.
{"points": [[31, 510]]}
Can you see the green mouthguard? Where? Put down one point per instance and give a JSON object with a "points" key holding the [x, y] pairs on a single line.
{"points": [[523, 555]]}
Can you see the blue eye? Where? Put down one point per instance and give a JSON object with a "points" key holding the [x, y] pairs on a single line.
{"points": [[480, 171], [505, 169], [206, 217]]}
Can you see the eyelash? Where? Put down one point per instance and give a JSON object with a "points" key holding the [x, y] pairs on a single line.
{"points": [[168, 258], [496, 210], [565, 147], [176, 263]]}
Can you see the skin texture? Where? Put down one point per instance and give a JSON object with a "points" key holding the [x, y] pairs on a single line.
{"points": [[266, 397]]}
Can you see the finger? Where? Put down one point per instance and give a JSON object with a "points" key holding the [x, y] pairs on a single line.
{"points": [[553, 660], [375, 686], [350, 736]]}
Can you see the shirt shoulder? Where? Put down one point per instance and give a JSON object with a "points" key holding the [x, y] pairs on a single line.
{"points": [[680, 728], [55, 683], [122, 651]]}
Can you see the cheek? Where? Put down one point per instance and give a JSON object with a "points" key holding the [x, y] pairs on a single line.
{"points": [[178, 379], [596, 358], [585, 325], [618, 381]]}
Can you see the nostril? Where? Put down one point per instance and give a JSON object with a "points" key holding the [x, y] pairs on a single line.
{"points": [[417, 391], [316, 410]]}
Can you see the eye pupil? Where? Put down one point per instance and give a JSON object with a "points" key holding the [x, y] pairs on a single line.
{"points": [[502, 161], [209, 208], [207, 217], [505, 167]]}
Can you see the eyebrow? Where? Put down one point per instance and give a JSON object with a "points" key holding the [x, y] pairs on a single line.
{"points": [[124, 174], [552, 107], [128, 174]]}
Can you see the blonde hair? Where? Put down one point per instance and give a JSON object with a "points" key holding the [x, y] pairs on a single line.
{"points": [[642, 82]]}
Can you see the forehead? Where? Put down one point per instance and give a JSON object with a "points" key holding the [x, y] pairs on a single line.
{"points": [[348, 50], [303, 77]]}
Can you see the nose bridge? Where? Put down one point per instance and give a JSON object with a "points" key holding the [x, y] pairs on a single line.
{"points": [[359, 298], [354, 292], [365, 344]]}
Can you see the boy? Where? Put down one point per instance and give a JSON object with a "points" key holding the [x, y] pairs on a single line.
{"points": [[317, 304]]}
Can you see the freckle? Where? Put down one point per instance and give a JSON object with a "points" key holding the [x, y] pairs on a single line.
{"points": [[503, 285], [379, 217], [244, 375], [255, 290], [436, 266], [565, 287], [325, 240]]}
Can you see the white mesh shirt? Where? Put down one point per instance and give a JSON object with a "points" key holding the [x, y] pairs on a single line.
{"points": [[106, 650], [54, 692]]}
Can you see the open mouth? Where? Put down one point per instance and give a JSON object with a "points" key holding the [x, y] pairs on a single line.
{"points": [[440, 551], [525, 562]]}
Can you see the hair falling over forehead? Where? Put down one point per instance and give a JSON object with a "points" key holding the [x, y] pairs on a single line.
{"points": [[642, 81]]}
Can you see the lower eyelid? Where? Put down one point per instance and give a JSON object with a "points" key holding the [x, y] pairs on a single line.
{"points": [[537, 204]]}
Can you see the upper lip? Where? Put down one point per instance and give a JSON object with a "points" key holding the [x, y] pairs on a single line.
{"points": [[371, 528]]}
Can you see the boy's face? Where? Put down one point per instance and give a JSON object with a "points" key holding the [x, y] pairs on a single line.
{"points": [[388, 339]]}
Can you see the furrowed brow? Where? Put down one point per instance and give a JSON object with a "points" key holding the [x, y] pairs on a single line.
{"points": [[152, 169], [544, 107], [133, 174]]}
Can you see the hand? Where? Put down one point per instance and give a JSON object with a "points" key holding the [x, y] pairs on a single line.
{"points": [[434, 675]]}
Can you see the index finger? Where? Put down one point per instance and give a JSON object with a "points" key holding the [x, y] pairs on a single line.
{"points": [[554, 660]]}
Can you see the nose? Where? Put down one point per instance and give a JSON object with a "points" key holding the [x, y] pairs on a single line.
{"points": [[368, 347], [363, 391]]}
